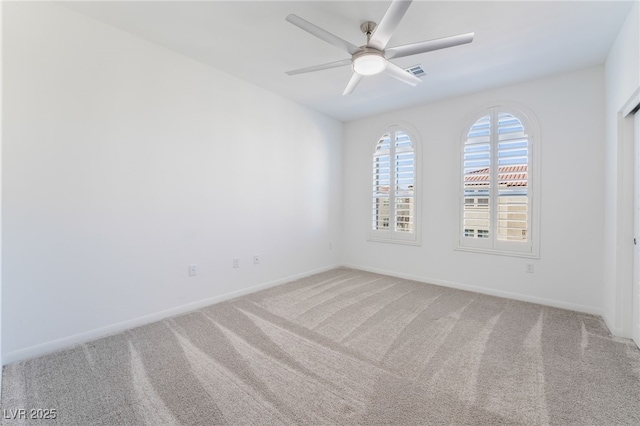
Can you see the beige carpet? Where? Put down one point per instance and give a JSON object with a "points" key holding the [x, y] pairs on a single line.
{"points": [[342, 347]]}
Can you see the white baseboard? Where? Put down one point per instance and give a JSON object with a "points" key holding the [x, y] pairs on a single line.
{"points": [[616, 331], [87, 336], [98, 333], [477, 289]]}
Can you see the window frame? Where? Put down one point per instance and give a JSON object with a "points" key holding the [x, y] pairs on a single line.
{"points": [[531, 248], [391, 235]]}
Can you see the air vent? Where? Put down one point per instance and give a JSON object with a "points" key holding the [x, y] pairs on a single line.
{"points": [[416, 70]]}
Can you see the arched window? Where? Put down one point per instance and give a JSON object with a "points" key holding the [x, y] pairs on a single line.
{"points": [[498, 184], [394, 206]]}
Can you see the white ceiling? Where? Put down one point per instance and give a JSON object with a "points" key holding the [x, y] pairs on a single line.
{"points": [[514, 41]]}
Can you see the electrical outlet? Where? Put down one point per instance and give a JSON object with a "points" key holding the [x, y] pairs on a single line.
{"points": [[256, 259], [193, 270], [236, 262], [529, 268]]}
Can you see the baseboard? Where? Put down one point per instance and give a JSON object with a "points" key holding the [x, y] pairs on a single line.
{"points": [[616, 331], [483, 290], [98, 333]]}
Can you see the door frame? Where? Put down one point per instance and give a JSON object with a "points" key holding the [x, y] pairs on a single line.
{"points": [[635, 291], [631, 128]]}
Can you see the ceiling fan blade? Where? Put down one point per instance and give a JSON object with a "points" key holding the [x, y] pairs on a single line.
{"points": [[322, 34], [396, 72], [335, 64], [355, 79], [428, 46], [388, 24]]}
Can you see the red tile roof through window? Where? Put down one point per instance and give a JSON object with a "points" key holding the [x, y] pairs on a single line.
{"points": [[509, 175]]}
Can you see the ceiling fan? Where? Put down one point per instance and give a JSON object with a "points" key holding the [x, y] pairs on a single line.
{"points": [[373, 57]]}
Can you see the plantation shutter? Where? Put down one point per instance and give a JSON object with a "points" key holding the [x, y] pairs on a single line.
{"points": [[404, 183], [382, 183], [394, 178], [496, 198], [513, 179], [477, 180]]}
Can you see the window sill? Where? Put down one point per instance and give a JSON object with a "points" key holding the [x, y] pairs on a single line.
{"points": [[388, 240], [527, 255]]}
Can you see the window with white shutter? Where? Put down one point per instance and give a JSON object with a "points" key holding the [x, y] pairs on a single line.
{"points": [[496, 203], [394, 206]]}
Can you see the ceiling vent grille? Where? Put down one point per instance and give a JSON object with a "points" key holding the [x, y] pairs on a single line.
{"points": [[416, 70]]}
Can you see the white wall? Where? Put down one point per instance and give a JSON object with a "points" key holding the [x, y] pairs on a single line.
{"points": [[570, 111], [124, 162], [622, 79]]}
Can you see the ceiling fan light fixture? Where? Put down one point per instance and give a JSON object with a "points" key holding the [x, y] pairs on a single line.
{"points": [[369, 63]]}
